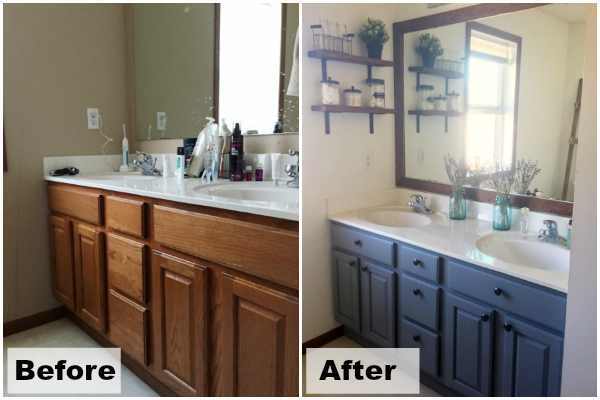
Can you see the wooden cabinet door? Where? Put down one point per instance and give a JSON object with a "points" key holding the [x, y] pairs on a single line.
{"points": [[61, 260], [377, 304], [532, 361], [90, 270], [346, 300], [469, 328], [180, 290], [260, 340]]}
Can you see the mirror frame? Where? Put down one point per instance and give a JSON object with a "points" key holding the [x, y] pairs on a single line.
{"points": [[467, 14]]}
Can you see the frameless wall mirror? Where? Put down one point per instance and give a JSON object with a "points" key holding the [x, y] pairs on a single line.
{"points": [[505, 89], [192, 60]]}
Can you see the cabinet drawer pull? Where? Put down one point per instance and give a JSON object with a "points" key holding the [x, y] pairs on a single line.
{"points": [[507, 327], [485, 317], [416, 338], [357, 242], [352, 263], [416, 261], [364, 268], [497, 291], [416, 292]]}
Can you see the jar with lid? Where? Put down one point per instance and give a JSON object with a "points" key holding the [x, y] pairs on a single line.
{"points": [[425, 97], [439, 103], [376, 91], [453, 101], [330, 94], [352, 97]]}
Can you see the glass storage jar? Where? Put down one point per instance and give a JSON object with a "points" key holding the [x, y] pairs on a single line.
{"points": [[458, 204], [439, 103], [452, 102], [425, 97], [352, 97], [376, 91], [330, 94]]}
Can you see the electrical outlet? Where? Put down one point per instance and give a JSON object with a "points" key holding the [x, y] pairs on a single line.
{"points": [[421, 156], [367, 160], [93, 122], [161, 121]]}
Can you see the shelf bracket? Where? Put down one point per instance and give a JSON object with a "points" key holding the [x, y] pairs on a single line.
{"points": [[446, 118], [327, 122], [369, 72], [418, 81], [418, 123], [371, 122], [447, 79], [324, 68]]}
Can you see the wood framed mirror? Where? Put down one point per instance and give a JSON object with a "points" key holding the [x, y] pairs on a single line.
{"points": [[479, 17]]}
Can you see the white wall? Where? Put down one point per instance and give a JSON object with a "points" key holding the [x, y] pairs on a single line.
{"points": [[580, 352], [332, 164]]}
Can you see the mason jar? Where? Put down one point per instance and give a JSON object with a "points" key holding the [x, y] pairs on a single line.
{"points": [[439, 103], [425, 97], [352, 97], [452, 101], [330, 94], [376, 92]]}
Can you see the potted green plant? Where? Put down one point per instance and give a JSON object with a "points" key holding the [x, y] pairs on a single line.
{"points": [[374, 34], [429, 47]]}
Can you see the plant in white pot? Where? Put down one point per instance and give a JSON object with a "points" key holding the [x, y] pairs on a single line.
{"points": [[374, 34], [429, 47]]}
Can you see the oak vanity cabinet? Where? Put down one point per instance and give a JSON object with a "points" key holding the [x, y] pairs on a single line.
{"points": [[61, 260]]}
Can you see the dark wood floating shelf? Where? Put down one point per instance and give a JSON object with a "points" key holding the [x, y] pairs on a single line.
{"points": [[344, 109], [434, 113], [437, 72], [335, 56]]}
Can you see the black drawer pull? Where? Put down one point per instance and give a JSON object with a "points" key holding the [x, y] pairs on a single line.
{"points": [[416, 338], [416, 292], [416, 261], [364, 268], [507, 327], [352, 263], [357, 242], [497, 291], [485, 317]]}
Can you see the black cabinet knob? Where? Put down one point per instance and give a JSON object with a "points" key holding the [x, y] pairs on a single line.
{"points": [[484, 317], [416, 292], [507, 327], [497, 291], [416, 338], [416, 261], [357, 242], [365, 268], [352, 263]]}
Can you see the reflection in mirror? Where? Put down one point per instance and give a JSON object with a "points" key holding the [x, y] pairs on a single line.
{"points": [[518, 96], [177, 79]]}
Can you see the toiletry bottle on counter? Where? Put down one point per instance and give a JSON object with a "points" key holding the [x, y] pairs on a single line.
{"points": [[249, 173], [275, 168], [180, 172], [197, 161], [569, 234], [524, 221], [258, 175], [188, 145], [236, 155]]}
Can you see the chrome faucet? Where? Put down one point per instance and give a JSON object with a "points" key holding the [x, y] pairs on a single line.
{"points": [[419, 204], [293, 170], [550, 235], [148, 165]]}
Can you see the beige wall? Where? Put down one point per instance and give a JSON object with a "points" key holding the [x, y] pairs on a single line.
{"points": [[580, 354], [58, 60]]}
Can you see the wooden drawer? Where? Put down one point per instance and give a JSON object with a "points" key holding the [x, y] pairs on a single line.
{"points": [[420, 301], [267, 252], [128, 267], [127, 216], [128, 327], [415, 336], [529, 302], [82, 205], [420, 263], [363, 244]]}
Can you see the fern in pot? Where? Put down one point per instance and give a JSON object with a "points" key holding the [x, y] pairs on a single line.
{"points": [[375, 35], [457, 174], [429, 47]]}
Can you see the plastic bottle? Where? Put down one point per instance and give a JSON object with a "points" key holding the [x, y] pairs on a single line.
{"points": [[196, 164], [236, 155], [524, 221], [180, 171], [569, 234], [125, 166], [249, 173], [258, 175]]}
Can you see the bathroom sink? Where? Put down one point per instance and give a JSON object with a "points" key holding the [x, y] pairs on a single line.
{"points": [[528, 251], [252, 191], [399, 217], [115, 176]]}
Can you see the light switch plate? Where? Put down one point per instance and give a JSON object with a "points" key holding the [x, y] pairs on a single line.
{"points": [[161, 121], [421, 156], [367, 160], [93, 122]]}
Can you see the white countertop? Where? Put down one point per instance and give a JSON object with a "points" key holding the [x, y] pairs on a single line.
{"points": [[457, 239], [174, 189]]}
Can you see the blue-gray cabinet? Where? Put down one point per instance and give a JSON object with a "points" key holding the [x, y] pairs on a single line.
{"points": [[532, 360], [469, 345], [480, 332]]}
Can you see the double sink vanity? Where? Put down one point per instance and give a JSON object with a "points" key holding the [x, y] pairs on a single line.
{"points": [[486, 308], [196, 283]]}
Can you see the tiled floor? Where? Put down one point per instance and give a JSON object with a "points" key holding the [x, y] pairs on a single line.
{"points": [[346, 343], [63, 333]]}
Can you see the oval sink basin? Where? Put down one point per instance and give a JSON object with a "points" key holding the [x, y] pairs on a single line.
{"points": [[253, 191], [116, 176], [399, 217], [527, 252]]}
